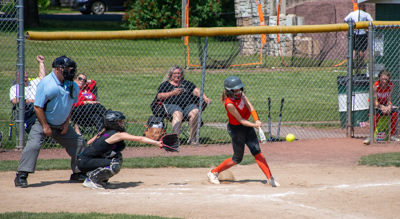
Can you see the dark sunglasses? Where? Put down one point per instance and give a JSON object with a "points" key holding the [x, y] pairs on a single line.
{"points": [[82, 79]]}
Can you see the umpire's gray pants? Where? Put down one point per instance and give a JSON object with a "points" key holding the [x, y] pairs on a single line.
{"points": [[72, 142]]}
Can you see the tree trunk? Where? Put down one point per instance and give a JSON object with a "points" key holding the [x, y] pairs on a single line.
{"points": [[31, 13]]}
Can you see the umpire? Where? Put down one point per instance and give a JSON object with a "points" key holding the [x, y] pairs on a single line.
{"points": [[53, 103]]}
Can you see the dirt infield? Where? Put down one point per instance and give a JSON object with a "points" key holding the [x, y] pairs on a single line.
{"points": [[319, 179]]}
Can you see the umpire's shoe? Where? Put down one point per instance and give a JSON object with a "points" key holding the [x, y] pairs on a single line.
{"points": [[77, 178], [20, 179]]}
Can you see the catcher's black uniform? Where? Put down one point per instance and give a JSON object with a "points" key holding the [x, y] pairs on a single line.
{"points": [[100, 153]]}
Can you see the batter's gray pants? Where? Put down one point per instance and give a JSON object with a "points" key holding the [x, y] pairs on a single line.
{"points": [[72, 142]]}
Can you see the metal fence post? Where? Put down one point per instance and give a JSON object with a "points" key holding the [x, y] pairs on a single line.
{"points": [[21, 76], [349, 126], [371, 77], [203, 75]]}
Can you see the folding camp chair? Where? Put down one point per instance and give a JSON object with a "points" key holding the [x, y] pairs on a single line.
{"points": [[160, 112]]}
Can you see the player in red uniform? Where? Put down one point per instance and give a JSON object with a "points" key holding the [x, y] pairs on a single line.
{"points": [[242, 132], [382, 92]]}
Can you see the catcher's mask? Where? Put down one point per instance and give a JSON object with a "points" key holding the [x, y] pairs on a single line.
{"points": [[68, 65], [232, 83], [112, 120]]}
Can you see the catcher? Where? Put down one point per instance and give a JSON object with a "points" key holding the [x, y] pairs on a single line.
{"points": [[103, 158], [241, 130]]}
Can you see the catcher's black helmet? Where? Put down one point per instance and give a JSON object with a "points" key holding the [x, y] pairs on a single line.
{"points": [[111, 119], [232, 83]]}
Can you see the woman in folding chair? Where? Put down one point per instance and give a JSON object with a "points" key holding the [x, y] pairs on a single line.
{"points": [[178, 96]]}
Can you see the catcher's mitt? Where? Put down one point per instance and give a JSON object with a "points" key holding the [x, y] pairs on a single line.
{"points": [[154, 133], [170, 142]]}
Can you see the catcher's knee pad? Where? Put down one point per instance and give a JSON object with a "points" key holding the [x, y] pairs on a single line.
{"points": [[115, 165]]}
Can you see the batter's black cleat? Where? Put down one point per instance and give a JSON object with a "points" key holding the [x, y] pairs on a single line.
{"points": [[77, 177], [21, 180]]}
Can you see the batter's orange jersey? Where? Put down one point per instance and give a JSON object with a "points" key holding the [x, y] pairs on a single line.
{"points": [[241, 108]]}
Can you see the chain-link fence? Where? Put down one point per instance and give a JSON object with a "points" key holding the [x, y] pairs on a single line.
{"points": [[307, 70], [385, 89], [304, 72], [8, 53]]}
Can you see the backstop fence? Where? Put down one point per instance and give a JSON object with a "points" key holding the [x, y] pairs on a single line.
{"points": [[308, 67]]}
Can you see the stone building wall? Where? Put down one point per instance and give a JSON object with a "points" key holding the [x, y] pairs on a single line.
{"points": [[246, 14]]}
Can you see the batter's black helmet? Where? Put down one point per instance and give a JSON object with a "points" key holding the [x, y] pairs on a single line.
{"points": [[111, 119], [232, 83]]}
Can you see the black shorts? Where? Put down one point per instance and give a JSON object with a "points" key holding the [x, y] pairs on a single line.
{"points": [[360, 42], [241, 136], [86, 164]]}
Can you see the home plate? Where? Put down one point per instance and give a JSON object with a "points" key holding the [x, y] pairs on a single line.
{"points": [[226, 177]]}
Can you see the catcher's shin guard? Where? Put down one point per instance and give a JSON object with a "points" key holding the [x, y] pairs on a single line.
{"points": [[115, 165], [102, 174]]}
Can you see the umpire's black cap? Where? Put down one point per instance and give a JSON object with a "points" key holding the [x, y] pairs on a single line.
{"points": [[63, 62]]}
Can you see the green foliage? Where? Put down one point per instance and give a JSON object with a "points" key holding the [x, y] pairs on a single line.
{"points": [[381, 160], [153, 14], [160, 14], [65, 215], [205, 13], [8, 7], [43, 4]]}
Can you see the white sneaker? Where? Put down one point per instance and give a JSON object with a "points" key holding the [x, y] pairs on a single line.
{"points": [[90, 184], [213, 178], [393, 138], [273, 182], [367, 141]]}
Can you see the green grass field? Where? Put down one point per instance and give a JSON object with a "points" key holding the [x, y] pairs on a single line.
{"points": [[382, 160], [138, 66], [129, 72]]}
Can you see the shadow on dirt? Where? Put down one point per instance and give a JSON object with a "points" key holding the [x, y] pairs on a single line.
{"points": [[242, 181], [112, 185]]}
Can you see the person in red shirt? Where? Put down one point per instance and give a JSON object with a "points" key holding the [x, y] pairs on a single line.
{"points": [[382, 93], [238, 109], [87, 111]]}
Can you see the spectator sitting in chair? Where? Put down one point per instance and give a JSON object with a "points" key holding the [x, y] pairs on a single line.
{"points": [[30, 92], [87, 111], [382, 93], [178, 96]]}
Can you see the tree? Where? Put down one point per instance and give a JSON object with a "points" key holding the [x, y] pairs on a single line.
{"points": [[160, 14]]}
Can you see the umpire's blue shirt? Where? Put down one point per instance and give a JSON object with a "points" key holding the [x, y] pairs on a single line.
{"points": [[54, 97]]}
